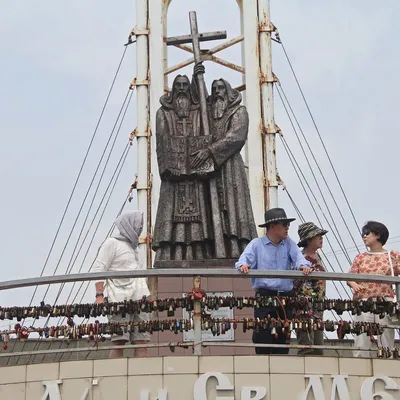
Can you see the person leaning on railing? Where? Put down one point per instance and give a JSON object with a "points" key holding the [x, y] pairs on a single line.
{"points": [[375, 261], [311, 239], [274, 251], [120, 253]]}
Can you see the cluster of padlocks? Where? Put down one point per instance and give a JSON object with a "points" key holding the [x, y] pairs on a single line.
{"points": [[98, 331], [385, 352], [380, 306]]}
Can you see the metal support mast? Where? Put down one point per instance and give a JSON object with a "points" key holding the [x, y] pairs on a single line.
{"points": [[267, 103], [141, 82]]}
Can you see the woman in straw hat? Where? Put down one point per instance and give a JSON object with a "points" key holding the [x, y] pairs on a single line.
{"points": [[311, 240]]}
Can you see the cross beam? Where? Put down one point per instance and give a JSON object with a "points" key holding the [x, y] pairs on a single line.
{"points": [[201, 37]]}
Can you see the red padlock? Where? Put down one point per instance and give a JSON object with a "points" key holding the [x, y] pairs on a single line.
{"points": [[24, 333], [5, 338], [197, 294]]}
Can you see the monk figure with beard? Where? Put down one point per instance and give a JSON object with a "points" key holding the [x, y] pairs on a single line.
{"points": [[183, 229]]}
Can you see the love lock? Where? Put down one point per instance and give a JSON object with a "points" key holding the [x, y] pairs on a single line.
{"points": [[24, 333], [197, 294]]}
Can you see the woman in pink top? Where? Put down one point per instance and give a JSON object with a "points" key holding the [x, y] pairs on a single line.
{"points": [[376, 261]]}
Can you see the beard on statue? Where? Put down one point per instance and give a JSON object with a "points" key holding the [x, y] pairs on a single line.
{"points": [[219, 106], [181, 105]]}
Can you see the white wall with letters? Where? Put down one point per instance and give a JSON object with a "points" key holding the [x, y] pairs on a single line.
{"points": [[205, 378]]}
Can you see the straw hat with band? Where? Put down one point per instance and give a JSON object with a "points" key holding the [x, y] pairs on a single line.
{"points": [[307, 231]]}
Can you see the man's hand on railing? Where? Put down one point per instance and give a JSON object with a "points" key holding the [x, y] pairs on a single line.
{"points": [[245, 268], [306, 270]]}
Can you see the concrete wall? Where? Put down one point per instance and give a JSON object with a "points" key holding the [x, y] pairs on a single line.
{"points": [[120, 379]]}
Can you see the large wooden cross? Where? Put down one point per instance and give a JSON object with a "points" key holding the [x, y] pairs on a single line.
{"points": [[195, 38]]}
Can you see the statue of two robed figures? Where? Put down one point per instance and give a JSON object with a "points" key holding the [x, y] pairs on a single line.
{"points": [[204, 209]]}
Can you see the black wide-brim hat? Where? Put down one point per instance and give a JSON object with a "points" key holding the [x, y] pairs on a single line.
{"points": [[275, 215], [307, 231]]}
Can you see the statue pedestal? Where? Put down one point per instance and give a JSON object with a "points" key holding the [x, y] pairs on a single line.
{"points": [[209, 263], [175, 287]]}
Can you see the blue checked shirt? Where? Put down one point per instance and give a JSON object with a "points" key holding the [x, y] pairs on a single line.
{"points": [[261, 253]]}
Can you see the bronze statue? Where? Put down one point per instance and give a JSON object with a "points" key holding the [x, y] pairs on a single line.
{"points": [[204, 209], [189, 161]]}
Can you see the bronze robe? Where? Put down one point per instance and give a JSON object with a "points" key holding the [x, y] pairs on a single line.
{"points": [[182, 218], [230, 134], [188, 235]]}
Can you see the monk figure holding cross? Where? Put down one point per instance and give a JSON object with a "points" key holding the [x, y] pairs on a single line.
{"points": [[204, 210]]}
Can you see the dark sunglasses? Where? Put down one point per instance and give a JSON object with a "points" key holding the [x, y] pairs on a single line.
{"points": [[285, 224], [365, 232]]}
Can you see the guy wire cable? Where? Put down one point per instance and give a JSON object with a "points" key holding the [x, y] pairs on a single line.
{"points": [[87, 192], [80, 170], [123, 159], [290, 155], [341, 243], [317, 164], [69, 267], [83, 203], [302, 219], [101, 216], [319, 135], [78, 178]]}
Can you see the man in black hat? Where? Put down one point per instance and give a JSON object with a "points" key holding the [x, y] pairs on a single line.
{"points": [[274, 251]]}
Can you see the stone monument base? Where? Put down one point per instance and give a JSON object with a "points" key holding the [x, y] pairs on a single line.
{"points": [[208, 263], [174, 287]]}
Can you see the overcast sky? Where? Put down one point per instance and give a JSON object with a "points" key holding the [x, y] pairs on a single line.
{"points": [[58, 60]]}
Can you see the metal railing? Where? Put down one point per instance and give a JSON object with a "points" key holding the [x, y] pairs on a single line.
{"points": [[191, 272]]}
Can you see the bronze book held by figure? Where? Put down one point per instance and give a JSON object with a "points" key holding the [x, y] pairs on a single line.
{"points": [[177, 154]]}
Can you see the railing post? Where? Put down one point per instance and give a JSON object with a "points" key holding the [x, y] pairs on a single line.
{"points": [[196, 316], [397, 291]]}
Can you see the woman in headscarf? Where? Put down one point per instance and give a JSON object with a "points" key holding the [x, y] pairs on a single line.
{"points": [[120, 253], [311, 239], [376, 261]]}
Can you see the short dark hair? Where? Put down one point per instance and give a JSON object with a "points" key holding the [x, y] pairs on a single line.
{"points": [[379, 229]]}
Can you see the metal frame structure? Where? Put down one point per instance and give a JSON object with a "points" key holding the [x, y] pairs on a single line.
{"points": [[258, 79]]}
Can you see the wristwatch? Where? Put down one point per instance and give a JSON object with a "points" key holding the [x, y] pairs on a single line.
{"points": [[99, 294]]}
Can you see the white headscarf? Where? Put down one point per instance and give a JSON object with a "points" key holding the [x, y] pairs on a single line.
{"points": [[130, 226]]}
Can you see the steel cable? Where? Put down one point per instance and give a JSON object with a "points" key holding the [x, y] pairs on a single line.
{"points": [[319, 135]]}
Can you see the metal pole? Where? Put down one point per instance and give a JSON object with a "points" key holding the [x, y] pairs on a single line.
{"points": [[254, 144], [284, 346], [216, 215], [142, 112], [197, 319], [158, 29], [267, 99], [171, 345]]}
